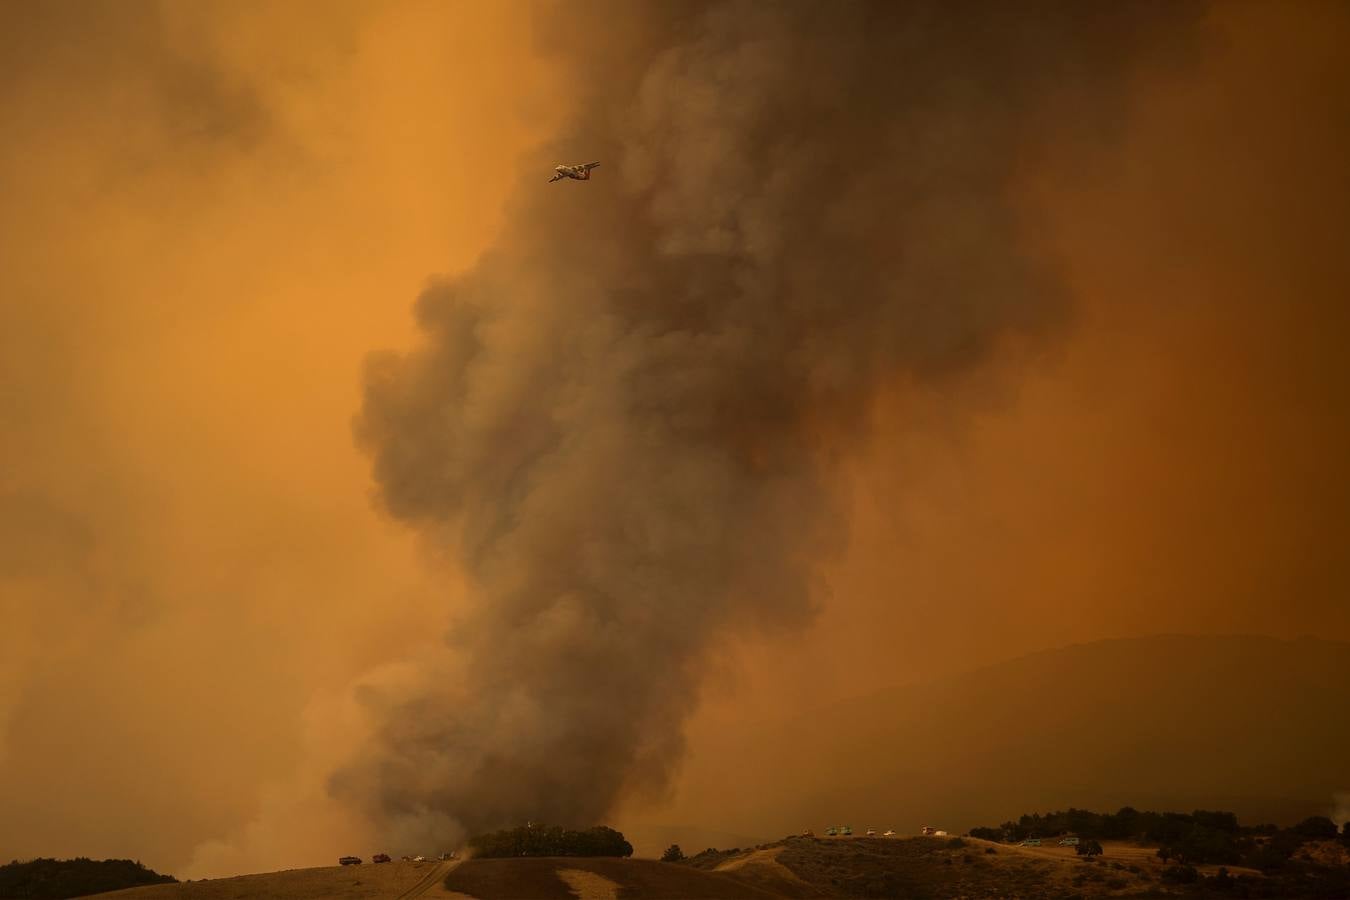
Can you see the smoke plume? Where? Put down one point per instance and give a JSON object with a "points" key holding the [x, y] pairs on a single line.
{"points": [[622, 422]]}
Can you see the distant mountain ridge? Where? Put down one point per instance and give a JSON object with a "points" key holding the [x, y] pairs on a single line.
{"points": [[1251, 724]]}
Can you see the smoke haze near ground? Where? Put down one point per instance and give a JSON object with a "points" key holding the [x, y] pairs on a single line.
{"points": [[719, 365]]}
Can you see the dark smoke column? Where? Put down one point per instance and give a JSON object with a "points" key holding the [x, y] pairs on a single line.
{"points": [[615, 420]]}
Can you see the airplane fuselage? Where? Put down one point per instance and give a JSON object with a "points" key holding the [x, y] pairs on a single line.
{"points": [[579, 173]]}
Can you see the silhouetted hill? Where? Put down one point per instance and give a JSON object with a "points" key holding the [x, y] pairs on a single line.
{"points": [[1254, 725]]}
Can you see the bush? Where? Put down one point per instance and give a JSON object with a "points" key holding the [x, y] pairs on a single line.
{"points": [[1088, 848], [1315, 828], [956, 843], [991, 851], [1180, 875], [673, 854]]}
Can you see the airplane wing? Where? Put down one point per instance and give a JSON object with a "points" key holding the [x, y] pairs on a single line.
{"points": [[590, 165], [557, 177]]}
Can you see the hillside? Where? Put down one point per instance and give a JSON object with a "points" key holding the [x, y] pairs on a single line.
{"points": [[389, 881], [915, 868], [1247, 724]]}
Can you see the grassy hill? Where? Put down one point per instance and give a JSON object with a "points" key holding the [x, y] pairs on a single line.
{"points": [[916, 868], [389, 881], [1251, 725]]}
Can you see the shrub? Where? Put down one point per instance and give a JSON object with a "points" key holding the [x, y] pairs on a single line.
{"points": [[956, 843], [1315, 828], [1180, 875], [1088, 848]]}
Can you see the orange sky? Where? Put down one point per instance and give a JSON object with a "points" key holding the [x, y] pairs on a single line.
{"points": [[214, 212]]}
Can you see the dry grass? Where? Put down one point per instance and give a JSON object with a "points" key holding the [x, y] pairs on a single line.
{"points": [[588, 885], [860, 867], [928, 867], [388, 881], [636, 879]]}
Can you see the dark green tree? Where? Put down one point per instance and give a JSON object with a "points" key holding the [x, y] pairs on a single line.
{"points": [[1315, 828], [673, 854]]}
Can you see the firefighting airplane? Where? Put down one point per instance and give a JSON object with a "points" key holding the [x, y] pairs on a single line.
{"points": [[580, 173]]}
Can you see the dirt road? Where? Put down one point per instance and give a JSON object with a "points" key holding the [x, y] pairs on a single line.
{"points": [[434, 876]]}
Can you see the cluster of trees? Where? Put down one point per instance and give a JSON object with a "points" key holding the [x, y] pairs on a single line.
{"points": [[551, 840], [1200, 837], [54, 879]]}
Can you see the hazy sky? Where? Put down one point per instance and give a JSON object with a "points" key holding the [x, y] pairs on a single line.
{"points": [[213, 213]]}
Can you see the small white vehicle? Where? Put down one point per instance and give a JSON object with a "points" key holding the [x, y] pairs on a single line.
{"points": [[1069, 842], [888, 833], [419, 859], [871, 832]]}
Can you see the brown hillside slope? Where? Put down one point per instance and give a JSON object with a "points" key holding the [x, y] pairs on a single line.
{"points": [[913, 868], [389, 881], [916, 868], [1239, 723], [637, 879], [919, 868]]}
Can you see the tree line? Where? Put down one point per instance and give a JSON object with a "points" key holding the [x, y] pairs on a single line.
{"points": [[550, 840], [55, 879], [1196, 838]]}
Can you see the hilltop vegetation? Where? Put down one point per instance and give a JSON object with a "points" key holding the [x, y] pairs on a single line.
{"points": [[1200, 837], [53, 879], [550, 840], [1206, 837]]}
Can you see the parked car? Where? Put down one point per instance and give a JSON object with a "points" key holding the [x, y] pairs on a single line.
{"points": [[419, 859], [350, 861], [1069, 842], [380, 857], [1030, 842]]}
